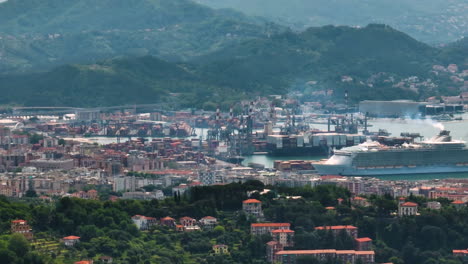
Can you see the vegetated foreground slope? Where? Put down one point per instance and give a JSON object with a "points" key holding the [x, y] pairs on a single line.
{"points": [[431, 21], [375, 62], [35, 34]]}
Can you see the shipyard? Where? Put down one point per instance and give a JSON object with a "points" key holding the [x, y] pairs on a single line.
{"points": [[256, 134]]}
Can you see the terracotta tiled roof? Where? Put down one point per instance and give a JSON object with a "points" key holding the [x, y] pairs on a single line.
{"points": [[83, 262], [71, 238], [363, 239], [409, 204], [367, 252], [251, 201]]}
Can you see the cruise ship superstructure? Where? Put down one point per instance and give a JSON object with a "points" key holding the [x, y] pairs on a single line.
{"points": [[440, 154]]}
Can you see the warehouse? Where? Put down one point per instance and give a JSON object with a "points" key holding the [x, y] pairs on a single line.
{"points": [[397, 108]]}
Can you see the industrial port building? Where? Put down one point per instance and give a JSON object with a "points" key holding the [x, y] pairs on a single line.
{"points": [[397, 108]]}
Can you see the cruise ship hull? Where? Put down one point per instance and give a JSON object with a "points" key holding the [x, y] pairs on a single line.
{"points": [[327, 169]]}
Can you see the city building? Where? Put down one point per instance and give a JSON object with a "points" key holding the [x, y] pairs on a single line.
{"points": [[51, 164], [359, 201], [70, 241], [461, 253], [87, 115], [434, 205], [458, 204], [407, 208], [144, 222], [344, 256], [284, 236], [187, 221], [397, 108], [21, 227], [363, 244], [179, 228], [157, 194], [253, 207], [266, 228], [106, 259], [168, 221], [272, 247], [208, 222], [221, 249], [85, 262]]}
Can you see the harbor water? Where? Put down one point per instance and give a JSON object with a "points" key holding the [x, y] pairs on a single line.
{"points": [[427, 128]]}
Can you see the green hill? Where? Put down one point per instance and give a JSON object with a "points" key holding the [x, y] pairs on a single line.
{"points": [[375, 62], [456, 52], [36, 34], [113, 82], [322, 54]]}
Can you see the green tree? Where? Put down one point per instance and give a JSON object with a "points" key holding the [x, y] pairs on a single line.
{"points": [[18, 244]]}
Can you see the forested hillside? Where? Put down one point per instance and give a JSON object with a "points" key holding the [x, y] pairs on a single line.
{"points": [[105, 228], [374, 62], [36, 34]]}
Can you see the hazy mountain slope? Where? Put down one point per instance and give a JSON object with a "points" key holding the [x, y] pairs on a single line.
{"points": [[431, 21], [456, 52], [42, 33], [141, 80], [321, 54], [375, 62]]}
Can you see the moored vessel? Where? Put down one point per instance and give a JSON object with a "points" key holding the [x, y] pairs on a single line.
{"points": [[440, 154]]}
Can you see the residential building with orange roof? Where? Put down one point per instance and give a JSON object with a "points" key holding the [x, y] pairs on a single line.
{"points": [[70, 241], [434, 205], [407, 208], [208, 222], [271, 248], [284, 236], [359, 201], [179, 228], [21, 227], [106, 259], [144, 222], [266, 228], [458, 204], [221, 249], [253, 207], [344, 256], [187, 221], [84, 262], [460, 252], [363, 243], [168, 221]]}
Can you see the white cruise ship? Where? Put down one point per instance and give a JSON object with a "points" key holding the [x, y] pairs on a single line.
{"points": [[440, 154]]}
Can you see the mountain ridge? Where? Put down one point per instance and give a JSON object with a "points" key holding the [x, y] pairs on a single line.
{"points": [[361, 60], [41, 34]]}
